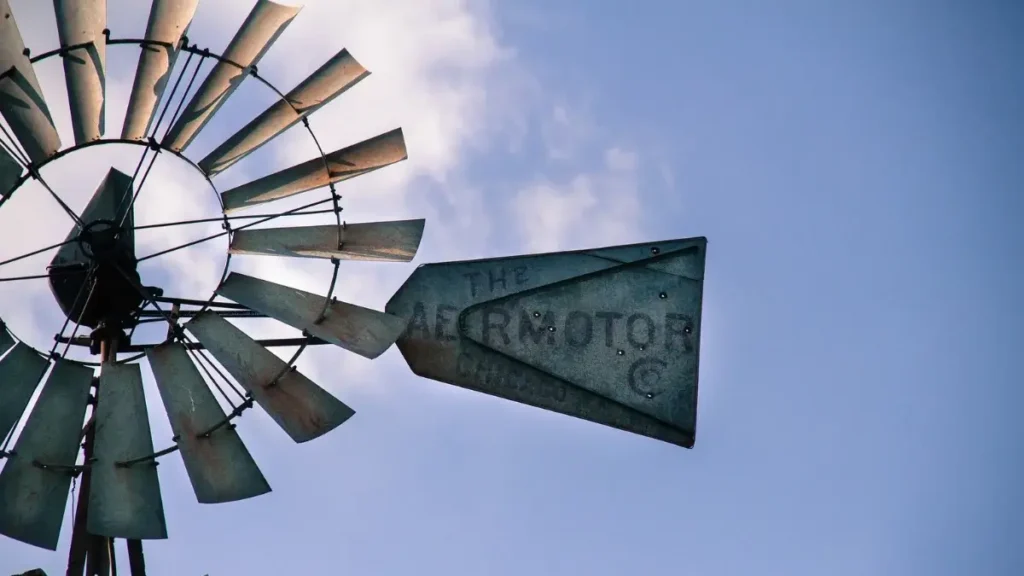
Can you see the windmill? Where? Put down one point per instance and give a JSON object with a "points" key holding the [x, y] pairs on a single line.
{"points": [[609, 335]]}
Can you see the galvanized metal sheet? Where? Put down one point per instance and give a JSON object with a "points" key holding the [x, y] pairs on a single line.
{"points": [[21, 100], [336, 76], [361, 330], [168, 22], [20, 372], [374, 241], [124, 501], [219, 466], [366, 156], [10, 172], [82, 22], [467, 327], [6, 341], [32, 496], [304, 410], [261, 28]]}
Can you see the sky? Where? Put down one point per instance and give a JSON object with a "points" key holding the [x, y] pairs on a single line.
{"points": [[855, 167]]}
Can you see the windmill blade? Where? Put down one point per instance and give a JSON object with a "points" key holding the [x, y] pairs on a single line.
{"points": [[20, 372], [261, 28], [32, 496], [124, 501], [10, 172], [6, 342], [372, 241], [219, 466], [304, 410], [361, 330], [336, 76], [82, 22], [168, 22], [366, 156], [21, 99]]}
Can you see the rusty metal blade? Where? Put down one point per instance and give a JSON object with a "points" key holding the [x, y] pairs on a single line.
{"points": [[10, 172], [34, 484], [219, 466], [376, 241], [80, 23], [168, 22], [366, 156], [124, 502], [265, 23], [609, 335], [21, 100], [304, 410], [20, 372], [361, 330], [336, 76]]}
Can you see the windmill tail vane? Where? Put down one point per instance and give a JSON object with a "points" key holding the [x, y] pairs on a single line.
{"points": [[609, 335]]}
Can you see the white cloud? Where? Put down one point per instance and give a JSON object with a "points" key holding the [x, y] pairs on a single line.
{"points": [[595, 208]]}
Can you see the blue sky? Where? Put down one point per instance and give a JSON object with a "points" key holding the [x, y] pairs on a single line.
{"points": [[855, 167]]}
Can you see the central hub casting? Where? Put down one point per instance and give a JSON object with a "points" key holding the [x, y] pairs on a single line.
{"points": [[94, 275]]}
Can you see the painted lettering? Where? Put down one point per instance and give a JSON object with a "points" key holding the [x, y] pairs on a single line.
{"points": [[536, 331], [681, 326], [443, 316], [640, 322], [609, 326], [496, 279], [579, 329], [520, 274], [418, 327], [645, 375], [473, 277], [501, 325], [515, 381]]}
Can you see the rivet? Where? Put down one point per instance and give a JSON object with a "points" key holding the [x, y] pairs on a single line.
{"points": [[649, 395], [551, 328], [536, 314], [662, 295], [687, 329], [655, 250], [620, 352], [642, 348]]}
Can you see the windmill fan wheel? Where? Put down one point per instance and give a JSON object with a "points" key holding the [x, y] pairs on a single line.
{"points": [[95, 280]]}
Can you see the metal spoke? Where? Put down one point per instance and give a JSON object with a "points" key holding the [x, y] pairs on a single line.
{"points": [[222, 218], [34, 252], [226, 232]]}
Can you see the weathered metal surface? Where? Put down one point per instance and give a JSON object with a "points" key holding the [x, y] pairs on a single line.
{"points": [[6, 341], [21, 100], [376, 241], [366, 156], [361, 330], [33, 497], [336, 76], [261, 28], [82, 22], [304, 410], [219, 466], [20, 372], [109, 202], [124, 501], [608, 335], [10, 172], [168, 22]]}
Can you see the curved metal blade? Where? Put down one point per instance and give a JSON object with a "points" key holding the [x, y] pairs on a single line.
{"points": [[327, 83], [361, 330], [21, 99], [20, 372], [124, 502], [366, 156], [395, 241], [261, 28], [301, 408], [168, 22], [219, 466], [82, 22], [32, 496], [10, 172]]}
